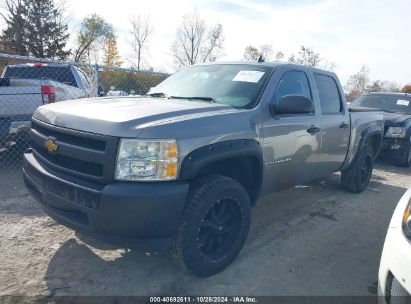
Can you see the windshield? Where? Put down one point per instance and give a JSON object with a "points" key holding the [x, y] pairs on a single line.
{"points": [[387, 103], [238, 85]]}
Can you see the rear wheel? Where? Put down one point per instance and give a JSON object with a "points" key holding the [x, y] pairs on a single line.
{"points": [[356, 178], [214, 226]]}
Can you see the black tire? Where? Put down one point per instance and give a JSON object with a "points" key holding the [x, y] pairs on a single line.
{"points": [[213, 227], [402, 157], [356, 178]]}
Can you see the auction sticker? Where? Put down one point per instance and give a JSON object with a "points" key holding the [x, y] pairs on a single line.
{"points": [[249, 76], [402, 102]]}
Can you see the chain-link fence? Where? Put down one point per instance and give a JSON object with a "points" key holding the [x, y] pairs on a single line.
{"points": [[27, 83]]}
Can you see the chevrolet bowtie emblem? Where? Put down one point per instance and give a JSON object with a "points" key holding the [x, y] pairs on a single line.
{"points": [[51, 145]]}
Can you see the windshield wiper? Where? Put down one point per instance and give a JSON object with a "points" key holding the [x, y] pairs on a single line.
{"points": [[210, 99], [159, 94]]}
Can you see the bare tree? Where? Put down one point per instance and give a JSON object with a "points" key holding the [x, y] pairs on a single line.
{"points": [[251, 53], [391, 86], [358, 83], [265, 51], [197, 42], [306, 56], [141, 31], [279, 56]]}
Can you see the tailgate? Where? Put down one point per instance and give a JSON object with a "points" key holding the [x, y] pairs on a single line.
{"points": [[20, 97]]}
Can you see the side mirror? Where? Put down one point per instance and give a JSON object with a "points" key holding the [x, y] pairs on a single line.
{"points": [[293, 104]]}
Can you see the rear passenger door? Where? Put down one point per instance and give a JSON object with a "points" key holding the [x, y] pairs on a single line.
{"points": [[335, 124]]}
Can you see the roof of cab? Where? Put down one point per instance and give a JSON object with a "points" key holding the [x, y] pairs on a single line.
{"points": [[272, 64], [389, 94], [39, 64]]}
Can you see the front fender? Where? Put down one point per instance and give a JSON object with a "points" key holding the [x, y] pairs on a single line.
{"points": [[200, 158]]}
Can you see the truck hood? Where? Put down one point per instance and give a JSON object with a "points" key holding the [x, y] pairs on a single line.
{"points": [[395, 118], [124, 116]]}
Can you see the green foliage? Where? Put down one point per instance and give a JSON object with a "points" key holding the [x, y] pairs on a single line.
{"points": [[46, 33], [12, 36], [35, 27], [94, 31]]}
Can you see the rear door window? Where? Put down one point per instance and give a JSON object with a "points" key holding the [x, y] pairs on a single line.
{"points": [[329, 94]]}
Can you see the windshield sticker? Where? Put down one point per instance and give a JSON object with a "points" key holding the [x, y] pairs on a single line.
{"points": [[402, 102], [249, 76]]}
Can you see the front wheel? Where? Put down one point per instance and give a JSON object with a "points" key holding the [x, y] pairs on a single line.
{"points": [[356, 178], [402, 157], [214, 226]]}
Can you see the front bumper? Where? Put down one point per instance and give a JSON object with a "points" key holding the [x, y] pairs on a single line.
{"points": [[395, 266], [134, 215], [14, 128], [393, 144]]}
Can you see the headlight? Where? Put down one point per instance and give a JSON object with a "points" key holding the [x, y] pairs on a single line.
{"points": [[146, 160], [396, 132], [406, 221]]}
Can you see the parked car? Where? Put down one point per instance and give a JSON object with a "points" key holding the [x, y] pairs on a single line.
{"points": [[116, 93], [397, 117], [181, 167], [394, 278], [25, 87]]}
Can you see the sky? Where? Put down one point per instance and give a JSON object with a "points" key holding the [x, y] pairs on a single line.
{"points": [[348, 33]]}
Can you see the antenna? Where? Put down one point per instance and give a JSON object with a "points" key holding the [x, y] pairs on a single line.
{"points": [[261, 59]]}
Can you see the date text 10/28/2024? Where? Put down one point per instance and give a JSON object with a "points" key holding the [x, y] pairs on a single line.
{"points": [[183, 299]]}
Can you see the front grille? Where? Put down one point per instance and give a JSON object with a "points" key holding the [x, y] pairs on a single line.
{"points": [[69, 162], [396, 294], [86, 155], [74, 140]]}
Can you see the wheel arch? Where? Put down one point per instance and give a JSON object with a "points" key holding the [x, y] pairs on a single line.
{"points": [[240, 160]]}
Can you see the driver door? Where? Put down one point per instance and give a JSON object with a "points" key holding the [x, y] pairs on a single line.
{"points": [[290, 151]]}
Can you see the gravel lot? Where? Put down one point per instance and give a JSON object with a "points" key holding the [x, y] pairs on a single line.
{"points": [[311, 240]]}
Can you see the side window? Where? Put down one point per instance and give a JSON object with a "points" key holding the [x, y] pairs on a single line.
{"points": [[293, 83], [330, 99], [84, 79]]}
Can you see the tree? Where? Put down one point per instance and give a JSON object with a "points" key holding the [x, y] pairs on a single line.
{"points": [[306, 56], [196, 41], [391, 86], [265, 51], [94, 30], [406, 88], [141, 31], [358, 83], [111, 56], [13, 36], [46, 32], [383, 86], [251, 53]]}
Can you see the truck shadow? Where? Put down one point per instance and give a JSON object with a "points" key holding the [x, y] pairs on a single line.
{"points": [[278, 220]]}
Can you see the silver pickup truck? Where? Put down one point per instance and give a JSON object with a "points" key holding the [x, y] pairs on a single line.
{"points": [[181, 167], [25, 87]]}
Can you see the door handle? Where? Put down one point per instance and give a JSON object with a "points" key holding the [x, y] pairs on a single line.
{"points": [[313, 129], [344, 125]]}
